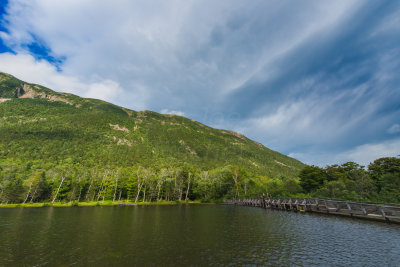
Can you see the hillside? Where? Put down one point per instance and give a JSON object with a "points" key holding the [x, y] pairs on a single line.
{"points": [[47, 129]]}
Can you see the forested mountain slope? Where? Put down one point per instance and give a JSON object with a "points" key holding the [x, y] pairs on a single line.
{"points": [[42, 130]]}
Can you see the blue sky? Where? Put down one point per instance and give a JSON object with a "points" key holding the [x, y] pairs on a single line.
{"points": [[316, 80]]}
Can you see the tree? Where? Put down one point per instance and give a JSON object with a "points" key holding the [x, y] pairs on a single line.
{"points": [[334, 189], [235, 176], [203, 185], [381, 167], [32, 183], [58, 189], [291, 186], [143, 175], [312, 178], [363, 184], [390, 187], [13, 190], [43, 189]]}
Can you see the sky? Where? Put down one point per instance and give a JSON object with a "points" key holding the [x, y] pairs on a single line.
{"points": [[316, 80]]}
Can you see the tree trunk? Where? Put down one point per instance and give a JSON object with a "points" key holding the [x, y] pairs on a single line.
{"points": [[88, 192], [80, 193], [27, 195], [115, 190], [34, 193], [235, 178], [187, 190], [62, 180], [72, 194], [80, 188], [138, 192], [158, 192], [175, 184], [101, 186], [98, 192]]}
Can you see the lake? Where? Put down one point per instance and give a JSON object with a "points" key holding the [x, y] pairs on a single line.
{"points": [[191, 235]]}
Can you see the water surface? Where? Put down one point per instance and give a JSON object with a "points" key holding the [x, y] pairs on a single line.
{"points": [[191, 235]]}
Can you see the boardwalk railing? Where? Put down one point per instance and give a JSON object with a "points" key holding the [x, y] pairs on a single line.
{"points": [[373, 211]]}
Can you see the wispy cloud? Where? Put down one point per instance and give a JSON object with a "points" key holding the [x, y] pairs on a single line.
{"points": [[367, 153], [173, 112], [304, 78], [363, 154], [394, 129]]}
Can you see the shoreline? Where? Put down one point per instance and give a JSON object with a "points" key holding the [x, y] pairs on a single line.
{"points": [[98, 203]]}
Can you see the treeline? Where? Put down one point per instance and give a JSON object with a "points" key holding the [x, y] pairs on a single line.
{"points": [[32, 182], [380, 182], [29, 184]]}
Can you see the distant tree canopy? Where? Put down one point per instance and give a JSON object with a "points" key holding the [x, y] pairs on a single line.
{"points": [[380, 182], [27, 182], [312, 178], [385, 172]]}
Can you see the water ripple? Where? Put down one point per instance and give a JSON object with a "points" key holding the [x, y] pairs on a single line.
{"points": [[195, 235]]}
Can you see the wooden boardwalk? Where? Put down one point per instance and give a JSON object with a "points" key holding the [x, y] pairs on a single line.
{"points": [[389, 213]]}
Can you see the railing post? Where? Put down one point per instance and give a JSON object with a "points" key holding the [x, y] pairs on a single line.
{"points": [[349, 208], [384, 214]]}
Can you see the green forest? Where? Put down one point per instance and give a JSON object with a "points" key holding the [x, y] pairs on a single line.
{"points": [[380, 182], [61, 148], [28, 183]]}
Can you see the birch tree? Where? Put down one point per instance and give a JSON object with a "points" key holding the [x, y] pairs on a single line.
{"points": [[188, 187], [58, 190], [235, 176]]}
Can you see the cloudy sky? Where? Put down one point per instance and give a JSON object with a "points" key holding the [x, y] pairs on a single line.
{"points": [[315, 80]]}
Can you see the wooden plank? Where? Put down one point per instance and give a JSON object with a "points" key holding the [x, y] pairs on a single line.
{"points": [[388, 213]]}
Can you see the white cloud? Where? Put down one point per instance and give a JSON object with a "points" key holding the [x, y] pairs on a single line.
{"points": [[169, 47], [363, 154], [26, 68], [394, 129], [192, 56], [297, 156], [367, 153], [173, 112], [316, 120], [388, 25]]}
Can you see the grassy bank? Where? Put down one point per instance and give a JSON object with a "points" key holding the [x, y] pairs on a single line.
{"points": [[94, 203]]}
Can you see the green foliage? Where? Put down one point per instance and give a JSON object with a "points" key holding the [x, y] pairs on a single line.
{"points": [[312, 178], [292, 186], [390, 190], [106, 152], [95, 133], [9, 86], [351, 181], [13, 190], [385, 173]]}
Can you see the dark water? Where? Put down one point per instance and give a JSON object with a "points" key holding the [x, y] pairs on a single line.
{"points": [[191, 235]]}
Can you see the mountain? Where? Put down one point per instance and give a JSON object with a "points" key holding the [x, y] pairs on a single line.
{"points": [[45, 129]]}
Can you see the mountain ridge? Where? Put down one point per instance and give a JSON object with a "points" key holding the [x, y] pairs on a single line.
{"points": [[14, 90], [59, 145]]}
